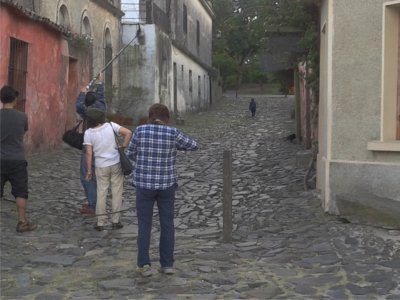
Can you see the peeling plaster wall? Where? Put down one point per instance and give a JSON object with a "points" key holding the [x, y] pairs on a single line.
{"points": [[195, 12], [99, 19], [147, 76], [163, 68], [147, 69], [199, 98], [138, 75], [47, 78]]}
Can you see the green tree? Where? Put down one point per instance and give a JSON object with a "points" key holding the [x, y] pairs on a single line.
{"points": [[242, 27], [237, 36], [253, 72]]}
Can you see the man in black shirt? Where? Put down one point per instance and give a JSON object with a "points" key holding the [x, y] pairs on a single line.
{"points": [[13, 125]]}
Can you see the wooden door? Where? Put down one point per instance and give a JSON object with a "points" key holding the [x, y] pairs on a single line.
{"points": [[175, 89], [398, 85]]}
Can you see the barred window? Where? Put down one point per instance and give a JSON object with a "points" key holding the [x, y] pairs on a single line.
{"points": [[190, 82], [86, 29], [199, 86], [108, 55], [64, 17], [17, 70], [198, 36], [184, 19]]}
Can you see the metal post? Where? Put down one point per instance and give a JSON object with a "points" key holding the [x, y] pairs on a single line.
{"points": [[227, 205]]}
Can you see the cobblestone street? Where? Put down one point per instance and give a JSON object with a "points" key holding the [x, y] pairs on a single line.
{"points": [[284, 246]]}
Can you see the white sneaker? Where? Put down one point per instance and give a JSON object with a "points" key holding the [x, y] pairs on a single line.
{"points": [[168, 270], [144, 271]]}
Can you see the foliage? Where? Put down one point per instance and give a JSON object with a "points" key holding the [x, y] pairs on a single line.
{"points": [[285, 79], [237, 35], [81, 41], [253, 72], [304, 15], [241, 31]]}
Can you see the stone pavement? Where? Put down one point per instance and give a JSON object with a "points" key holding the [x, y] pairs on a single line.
{"points": [[284, 246]]}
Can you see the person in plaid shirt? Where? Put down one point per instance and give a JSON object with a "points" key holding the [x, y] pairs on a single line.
{"points": [[154, 147]]}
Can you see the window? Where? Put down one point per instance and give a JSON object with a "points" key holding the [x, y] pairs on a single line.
{"points": [[199, 87], [391, 72], [175, 88], [398, 77], [184, 19], [198, 36], [17, 70], [86, 30], [63, 17], [390, 126], [183, 74], [190, 82], [205, 87], [108, 53]]}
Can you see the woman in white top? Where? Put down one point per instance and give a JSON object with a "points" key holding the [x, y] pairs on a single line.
{"points": [[100, 142]]}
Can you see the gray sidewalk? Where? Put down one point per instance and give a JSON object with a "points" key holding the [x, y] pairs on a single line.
{"points": [[284, 246]]}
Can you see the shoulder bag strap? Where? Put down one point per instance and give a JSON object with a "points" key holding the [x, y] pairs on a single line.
{"points": [[115, 136], [77, 125]]}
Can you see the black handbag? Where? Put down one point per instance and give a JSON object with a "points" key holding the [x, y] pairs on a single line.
{"points": [[126, 164], [73, 137]]}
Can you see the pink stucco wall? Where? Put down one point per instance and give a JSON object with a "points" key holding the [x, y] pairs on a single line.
{"points": [[49, 106], [308, 130]]}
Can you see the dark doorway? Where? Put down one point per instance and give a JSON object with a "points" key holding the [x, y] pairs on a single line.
{"points": [[175, 90], [17, 70]]}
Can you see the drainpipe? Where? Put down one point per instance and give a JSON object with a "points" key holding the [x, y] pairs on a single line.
{"points": [[298, 102]]}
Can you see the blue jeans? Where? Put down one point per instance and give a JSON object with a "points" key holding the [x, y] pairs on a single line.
{"points": [[90, 187], [144, 205]]}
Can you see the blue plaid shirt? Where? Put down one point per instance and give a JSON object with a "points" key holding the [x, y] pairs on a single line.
{"points": [[154, 148]]}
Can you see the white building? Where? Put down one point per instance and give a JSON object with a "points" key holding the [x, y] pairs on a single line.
{"points": [[171, 61]]}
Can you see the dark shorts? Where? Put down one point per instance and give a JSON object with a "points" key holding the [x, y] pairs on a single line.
{"points": [[15, 171]]}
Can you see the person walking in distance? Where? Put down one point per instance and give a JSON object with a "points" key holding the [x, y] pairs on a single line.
{"points": [[13, 125], [253, 107], [154, 147], [89, 99], [100, 143]]}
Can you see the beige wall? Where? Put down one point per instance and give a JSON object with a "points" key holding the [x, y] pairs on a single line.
{"points": [[324, 131], [356, 77], [99, 19], [351, 103]]}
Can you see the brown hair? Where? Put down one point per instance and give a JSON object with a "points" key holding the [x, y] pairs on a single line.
{"points": [[158, 112]]}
